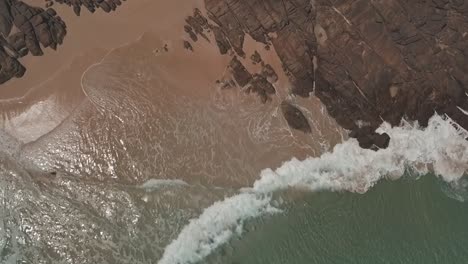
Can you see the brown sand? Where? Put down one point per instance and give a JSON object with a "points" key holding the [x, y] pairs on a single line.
{"points": [[90, 37], [121, 107], [99, 30]]}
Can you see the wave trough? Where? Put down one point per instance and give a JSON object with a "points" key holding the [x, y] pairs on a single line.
{"points": [[441, 148]]}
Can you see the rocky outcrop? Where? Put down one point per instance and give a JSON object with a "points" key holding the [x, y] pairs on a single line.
{"points": [[188, 46], [239, 72], [367, 61], [258, 83], [295, 117], [27, 30], [369, 139], [24, 29], [262, 87], [91, 5]]}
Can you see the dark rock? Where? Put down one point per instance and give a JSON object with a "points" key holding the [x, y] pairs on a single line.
{"points": [[106, 5], [369, 139], [261, 87], [198, 23], [192, 34], [382, 140], [221, 40], [33, 27], [295, 118], [269, 73], [368, 61], [188, 46], [239, 72], [26, 29], [256, 58]]}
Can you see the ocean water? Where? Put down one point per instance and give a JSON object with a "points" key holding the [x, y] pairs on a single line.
{"points": [[404, 221]]}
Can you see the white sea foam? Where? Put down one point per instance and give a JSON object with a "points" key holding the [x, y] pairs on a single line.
{"points": [[158, 183], [442, 148], [216, 225], [462, 110]]}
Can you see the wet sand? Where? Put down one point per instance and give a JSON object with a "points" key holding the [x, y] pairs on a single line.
{"points": [[90, 37], [122, 108], [99, 30]]}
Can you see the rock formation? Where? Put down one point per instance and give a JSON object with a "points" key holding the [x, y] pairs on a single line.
{"points": [[26, 30], [367, 61], [106, 5], [295, 117], [23, 30]]}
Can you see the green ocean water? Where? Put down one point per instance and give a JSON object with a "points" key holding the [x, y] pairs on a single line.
{"points": [[404, 221]]}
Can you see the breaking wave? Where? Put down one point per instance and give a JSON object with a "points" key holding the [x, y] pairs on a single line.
{"points": [[441, 148]]}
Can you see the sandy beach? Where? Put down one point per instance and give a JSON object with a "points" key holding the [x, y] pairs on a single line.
{"points": [[124, 90]]}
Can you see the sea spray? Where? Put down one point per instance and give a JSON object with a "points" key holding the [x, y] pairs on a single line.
{"points": [[442, 146], [215, 226]]}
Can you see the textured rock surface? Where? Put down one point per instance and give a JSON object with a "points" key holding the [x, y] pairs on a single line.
{"points": [[261, 87], [239, 72], [367, 61], [295, 117], [26, 30], [106, 5]]}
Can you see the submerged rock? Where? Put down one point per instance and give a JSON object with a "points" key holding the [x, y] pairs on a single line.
{"points": [[295, 118]]}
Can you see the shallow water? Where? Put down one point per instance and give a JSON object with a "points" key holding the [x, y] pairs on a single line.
{"points": [[61, 219], [114, 172], [146, 115]]}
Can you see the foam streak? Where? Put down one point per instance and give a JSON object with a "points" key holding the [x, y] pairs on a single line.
{"points": [[442, 148]]}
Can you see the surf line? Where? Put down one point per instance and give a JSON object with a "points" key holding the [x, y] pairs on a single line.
{"points": [[441, 147]]}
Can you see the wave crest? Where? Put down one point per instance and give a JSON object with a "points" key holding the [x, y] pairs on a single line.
{"points": [[441, 147]]}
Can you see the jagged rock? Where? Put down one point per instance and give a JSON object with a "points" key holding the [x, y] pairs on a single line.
{"points": [[269, 73], [261, 87], [239, 72], [198, 24], [106, 5], [369, 139], [9, 67], [295, 118], [26, 29], [188, 46], [369, 61], [221, 40], [192, 34], [256, 58], [33, 27]]}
